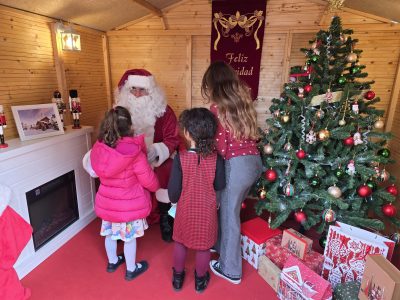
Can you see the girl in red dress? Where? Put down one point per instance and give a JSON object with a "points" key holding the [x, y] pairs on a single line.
{"points": [[197, 173]]}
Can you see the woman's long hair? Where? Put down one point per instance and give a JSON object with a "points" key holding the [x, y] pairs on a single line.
{"points": [[116, 124], [222, 86], [201, 125]]}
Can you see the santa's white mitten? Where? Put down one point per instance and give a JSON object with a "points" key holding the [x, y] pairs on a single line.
{"points": [[151, 154], [87, 165]]}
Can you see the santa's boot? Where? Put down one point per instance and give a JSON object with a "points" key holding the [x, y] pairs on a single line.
{"points": [[166, 224]]}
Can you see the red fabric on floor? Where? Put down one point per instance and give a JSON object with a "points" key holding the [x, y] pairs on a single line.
{"points": [[77, 271]]}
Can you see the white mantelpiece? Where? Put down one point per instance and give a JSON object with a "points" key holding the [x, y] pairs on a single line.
{"points": [[29, 164]]}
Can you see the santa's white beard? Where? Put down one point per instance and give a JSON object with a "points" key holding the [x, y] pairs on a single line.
{"points": [[144, 110]]}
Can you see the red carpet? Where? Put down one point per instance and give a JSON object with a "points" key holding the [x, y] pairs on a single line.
{"points": [[77, 271]]}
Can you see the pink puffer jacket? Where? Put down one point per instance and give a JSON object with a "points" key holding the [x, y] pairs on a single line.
{"points": [[125, 180]]}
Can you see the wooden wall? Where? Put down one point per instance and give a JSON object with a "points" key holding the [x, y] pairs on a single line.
{"points": [[29, 72]]}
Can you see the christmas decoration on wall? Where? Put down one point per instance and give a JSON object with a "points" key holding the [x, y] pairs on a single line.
{"points": [[329, 154]]}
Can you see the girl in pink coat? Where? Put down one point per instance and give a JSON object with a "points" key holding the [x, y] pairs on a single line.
{"points": [[126, 179]]}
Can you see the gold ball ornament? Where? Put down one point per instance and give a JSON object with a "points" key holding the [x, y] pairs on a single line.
{"points": [[334, 191], [342, 122], [268, 149], [352, 57], [379, 124], [324, 134], [285, 118]]}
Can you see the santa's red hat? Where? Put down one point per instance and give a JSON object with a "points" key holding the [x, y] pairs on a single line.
{"points": [[140, 78]]}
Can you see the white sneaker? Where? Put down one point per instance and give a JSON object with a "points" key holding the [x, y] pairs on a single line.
{"points": [[216, 269]]}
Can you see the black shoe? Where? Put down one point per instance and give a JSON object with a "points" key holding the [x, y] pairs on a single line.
{"points": [[112, 267], [177, 279], [200, 283], [141, 267], [166, 228], [216, 268]]}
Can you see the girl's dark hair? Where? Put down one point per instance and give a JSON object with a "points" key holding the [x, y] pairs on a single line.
{"points": [[201, 124], [117, 123]]}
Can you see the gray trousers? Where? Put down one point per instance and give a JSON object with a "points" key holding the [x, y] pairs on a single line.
{"points": [[241, 172]]}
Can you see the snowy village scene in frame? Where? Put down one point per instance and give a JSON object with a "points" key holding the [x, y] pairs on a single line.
{"points": [[37, 121]]}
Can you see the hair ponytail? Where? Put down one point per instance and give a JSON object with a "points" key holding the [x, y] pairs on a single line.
{"points": [[117, 123]]}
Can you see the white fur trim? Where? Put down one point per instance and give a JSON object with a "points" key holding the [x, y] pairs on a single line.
{"points": [[5, 197], [146, 82], [162, 196], [87, 165], [162, 153]]}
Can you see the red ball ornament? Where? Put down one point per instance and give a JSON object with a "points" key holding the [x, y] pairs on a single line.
{"points": [[243, 205], [301, 154], [392, 189], [308, 88], [364, 191], [300, 216], [389, 210], [271, 175], [369, 95], [349, 141]]}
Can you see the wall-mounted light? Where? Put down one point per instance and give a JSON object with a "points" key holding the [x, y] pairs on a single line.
{"points": [[70, 39]]}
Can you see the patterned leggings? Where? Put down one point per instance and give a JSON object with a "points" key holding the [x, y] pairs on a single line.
{"points": [[202, 259]]}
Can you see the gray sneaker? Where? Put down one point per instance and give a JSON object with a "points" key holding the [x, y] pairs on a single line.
{"points": [[216, 268]]}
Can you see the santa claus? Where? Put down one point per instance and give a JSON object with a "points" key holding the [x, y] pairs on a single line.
{"points": [[139, 93]]}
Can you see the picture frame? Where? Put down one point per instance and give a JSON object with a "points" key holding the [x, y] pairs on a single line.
{"points": [[37, 121]]}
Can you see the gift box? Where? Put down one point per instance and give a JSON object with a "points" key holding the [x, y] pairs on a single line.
{"points": [[347, 291], [346, 250], [381, 280], [279, 255], [254, 234], [296, 243], [297, 282], [269, 271]]}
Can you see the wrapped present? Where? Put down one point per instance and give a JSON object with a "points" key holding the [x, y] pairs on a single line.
{"points": [[269, 271], [254, 234], [347, 291], [346, 250], [381, 280], [279, 255], [296, 243], [297, 281]]}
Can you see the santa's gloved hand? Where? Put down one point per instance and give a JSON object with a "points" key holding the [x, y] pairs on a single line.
{"points": [[152, 154]]}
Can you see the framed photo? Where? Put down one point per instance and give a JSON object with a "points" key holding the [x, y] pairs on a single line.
{"points": [[37, 121]]}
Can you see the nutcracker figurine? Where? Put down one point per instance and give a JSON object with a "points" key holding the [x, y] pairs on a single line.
{"points": [[3, 124], [61, 107], [75, 107]]}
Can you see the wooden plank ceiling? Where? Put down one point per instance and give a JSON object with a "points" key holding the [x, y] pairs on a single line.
{"points": [[106, 15]]}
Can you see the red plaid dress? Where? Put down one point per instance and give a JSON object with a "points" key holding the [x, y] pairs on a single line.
{"points": [[196, 223]]}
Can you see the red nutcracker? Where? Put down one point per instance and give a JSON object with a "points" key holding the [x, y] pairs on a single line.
{"points": [[75, 107], [3, 124], [61, 107]]}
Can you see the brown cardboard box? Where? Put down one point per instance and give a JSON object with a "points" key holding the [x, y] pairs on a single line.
{"points": [[381, 280], [269, 271], [295, 242]]}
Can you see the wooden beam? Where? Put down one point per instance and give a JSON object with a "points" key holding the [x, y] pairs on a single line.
{"points": [[286, 58], [154, 10], [394, 99], [367, 15], [59, 66], [107, 71], [189, 71], [131, 23]]}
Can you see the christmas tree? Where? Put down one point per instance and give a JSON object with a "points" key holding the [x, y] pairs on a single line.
{"points": [[323, 149]]}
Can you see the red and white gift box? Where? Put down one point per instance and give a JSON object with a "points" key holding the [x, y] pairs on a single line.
{"points": [[298, 282], [296, 243], [279, 255], [346, 250], [254, 234]]}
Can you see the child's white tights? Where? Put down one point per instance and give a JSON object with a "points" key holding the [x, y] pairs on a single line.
{"points": [[130, 255], [129, 252]]}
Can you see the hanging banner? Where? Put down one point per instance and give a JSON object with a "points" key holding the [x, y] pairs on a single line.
{"points": [[237, 37]]}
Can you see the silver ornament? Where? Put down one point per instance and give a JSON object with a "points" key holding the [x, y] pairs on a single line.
{"points": [[334, 191], [342, 122], [379, 124], [268, 149]]}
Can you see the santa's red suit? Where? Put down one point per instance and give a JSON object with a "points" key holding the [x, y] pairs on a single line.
{"points": [[15, 234], [139, 93]]}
